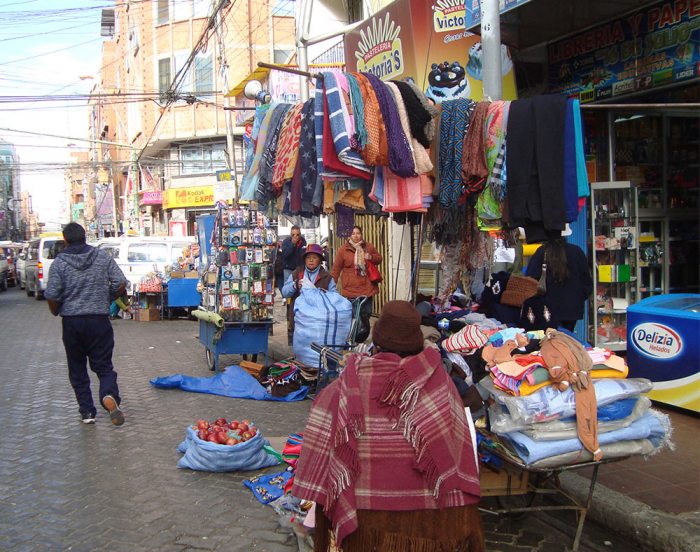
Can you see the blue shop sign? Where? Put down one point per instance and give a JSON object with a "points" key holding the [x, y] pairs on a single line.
{"points": [[473, 10], [652, 47]]}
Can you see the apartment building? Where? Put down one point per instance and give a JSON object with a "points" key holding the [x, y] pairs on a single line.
{"points": [[157, 111]]}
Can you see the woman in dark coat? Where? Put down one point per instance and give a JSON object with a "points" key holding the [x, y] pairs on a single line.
{"points": [[569, 281]]}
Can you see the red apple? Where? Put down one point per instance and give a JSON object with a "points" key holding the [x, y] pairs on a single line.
{"points": [[212, 438], [231, 441], [202, 424], [233, 425], [221, 422], [202, 434], [246, 435], [243, 426]]}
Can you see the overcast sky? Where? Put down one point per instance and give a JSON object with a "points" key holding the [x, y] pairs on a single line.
{"points": [[45, 47]]}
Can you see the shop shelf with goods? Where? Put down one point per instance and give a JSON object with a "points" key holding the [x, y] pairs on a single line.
{"points": [[615, 261], [237, 283], [652, 277]]}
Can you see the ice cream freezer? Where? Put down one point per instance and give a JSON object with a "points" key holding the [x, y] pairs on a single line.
{"points": [[663, 345]]}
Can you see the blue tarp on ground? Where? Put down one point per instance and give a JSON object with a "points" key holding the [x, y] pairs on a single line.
{"points": [[234, 382]]}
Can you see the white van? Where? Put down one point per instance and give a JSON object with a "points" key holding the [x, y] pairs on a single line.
{"points": [[137, 256], [40, 254]]}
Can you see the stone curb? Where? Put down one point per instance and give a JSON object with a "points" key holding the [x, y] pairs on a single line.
{"points": [[652, 529]]}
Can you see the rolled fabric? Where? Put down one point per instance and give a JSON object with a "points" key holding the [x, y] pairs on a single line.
{"points": [[210, 317]]}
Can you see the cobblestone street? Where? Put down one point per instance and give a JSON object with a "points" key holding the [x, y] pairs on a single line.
{"points": [[69, 486]]}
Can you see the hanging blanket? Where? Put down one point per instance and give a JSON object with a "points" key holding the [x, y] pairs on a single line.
{"points": [[401, 194], [454, 120], [359, 139], [376, 152], [489, 206], [287, 149], [250, 180], [234, 382], [264, 192], [338, 116]]}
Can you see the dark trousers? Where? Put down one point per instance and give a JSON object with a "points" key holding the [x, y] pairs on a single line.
{"points": [[90, 338]]}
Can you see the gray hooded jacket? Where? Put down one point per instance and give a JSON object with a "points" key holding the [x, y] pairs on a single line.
{"points": [[84, 280]]}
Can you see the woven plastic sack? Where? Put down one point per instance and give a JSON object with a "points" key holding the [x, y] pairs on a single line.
{"points": [[322, 317], [205, 456]]}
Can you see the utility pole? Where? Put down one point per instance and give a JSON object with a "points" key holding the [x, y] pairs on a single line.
{"points": [[230, 143]]}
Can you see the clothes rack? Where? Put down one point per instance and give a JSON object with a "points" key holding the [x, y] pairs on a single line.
{"points": [[285, 69]]}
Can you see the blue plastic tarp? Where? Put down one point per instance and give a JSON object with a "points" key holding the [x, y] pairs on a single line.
{"points": [[234, 382]]}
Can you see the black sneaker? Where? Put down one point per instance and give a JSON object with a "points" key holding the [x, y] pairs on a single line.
{"points": [[87, 418], [115, 413]]}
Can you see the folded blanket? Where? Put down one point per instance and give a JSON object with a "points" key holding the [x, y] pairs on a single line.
{"points": [[652, 425]]}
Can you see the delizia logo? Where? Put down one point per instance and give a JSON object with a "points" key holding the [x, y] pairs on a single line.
{"points": [[657, 340]]}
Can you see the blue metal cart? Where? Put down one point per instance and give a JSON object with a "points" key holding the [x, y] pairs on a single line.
{"points": [[235, 338], [183, 294]]}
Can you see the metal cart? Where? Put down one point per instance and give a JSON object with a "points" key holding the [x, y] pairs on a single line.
{"points": [[235, 338], [527, 482], [182, 293]]}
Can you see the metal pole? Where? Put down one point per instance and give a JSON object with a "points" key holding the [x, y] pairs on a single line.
{"points": [[491, 46], [230, 144]]}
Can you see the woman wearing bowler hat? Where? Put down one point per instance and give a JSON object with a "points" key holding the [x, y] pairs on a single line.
{"points": [[311, 274], [388, 455]]}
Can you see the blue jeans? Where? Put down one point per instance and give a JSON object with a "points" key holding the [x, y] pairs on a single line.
{"points": [[90, 338]]}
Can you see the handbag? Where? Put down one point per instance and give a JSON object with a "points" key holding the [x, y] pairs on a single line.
{"points": [[542, 283], [373, 273], [518, 289]]}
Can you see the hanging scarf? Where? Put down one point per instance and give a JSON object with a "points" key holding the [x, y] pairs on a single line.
{"points": [[360, 265], [264, 192], [431, 126], [415, 393], [359, 139], [421, 159], [400, 159], [455, 118], [474, 168], [489, 206], [306, 179]]}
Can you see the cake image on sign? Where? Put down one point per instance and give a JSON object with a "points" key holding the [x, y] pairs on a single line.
{"points": [[448, 15], [379, 50], [475, 64], [657, 340], [447, 82]]}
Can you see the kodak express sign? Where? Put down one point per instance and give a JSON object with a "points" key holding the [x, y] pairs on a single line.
{"points": [[196, 196]]}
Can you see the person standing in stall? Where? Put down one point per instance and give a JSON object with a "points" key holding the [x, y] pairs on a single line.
{"points": [[386, 473], [293, 251], [350, 270], [568, 279]]}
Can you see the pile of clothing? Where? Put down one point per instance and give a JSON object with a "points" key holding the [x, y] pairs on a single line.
{"points": [[547, 399]]}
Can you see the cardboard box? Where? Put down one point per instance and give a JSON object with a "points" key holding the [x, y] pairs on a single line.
{"points": [[506, 482], [177, 274], [614, 273], [191, 274], [147, 315]]}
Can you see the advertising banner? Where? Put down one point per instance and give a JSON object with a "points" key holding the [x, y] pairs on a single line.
{"points": [[152, 198], [652, 47], [426, 42], [195, 196]]}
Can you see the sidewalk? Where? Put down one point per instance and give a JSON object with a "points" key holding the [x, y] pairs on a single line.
{"points": [[654, 501]]}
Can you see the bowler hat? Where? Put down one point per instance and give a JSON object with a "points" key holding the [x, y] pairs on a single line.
{"points": [[314, 248], [398, 328]]}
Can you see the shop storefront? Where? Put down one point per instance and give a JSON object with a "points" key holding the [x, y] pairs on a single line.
{"points": [[185, 204]]}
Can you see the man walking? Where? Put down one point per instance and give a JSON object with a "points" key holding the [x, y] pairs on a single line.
{"points": [[82, 283]]}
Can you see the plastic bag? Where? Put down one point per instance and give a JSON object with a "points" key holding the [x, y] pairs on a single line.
{"points": [[205, 456], [321, 317], [268, 487], [549, 404]]}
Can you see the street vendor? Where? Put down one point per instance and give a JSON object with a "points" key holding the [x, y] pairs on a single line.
{"points": [[388, 472], [312, 274]]}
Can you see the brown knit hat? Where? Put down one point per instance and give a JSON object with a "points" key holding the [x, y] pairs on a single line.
{"points": [[398, 328]]}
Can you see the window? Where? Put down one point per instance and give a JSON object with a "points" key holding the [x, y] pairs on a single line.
{"points": [[147, 253], [176, 251], [52, 248], [200, 8], [204, 158], [112, 250], [163, 11], [203, 74], [164, 76]]}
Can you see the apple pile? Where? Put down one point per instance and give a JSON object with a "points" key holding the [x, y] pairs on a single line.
{"points": [[222, 432]]}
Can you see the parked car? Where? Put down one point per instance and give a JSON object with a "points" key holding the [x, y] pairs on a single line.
{"points": [[41, 254], [20, 263], [137, 256], [11, 251], [3, 271]]}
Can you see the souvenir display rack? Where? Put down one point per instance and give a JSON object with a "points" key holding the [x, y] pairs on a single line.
{"points": [[239, 282]]}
